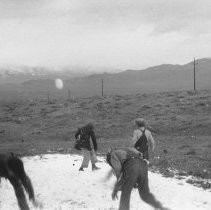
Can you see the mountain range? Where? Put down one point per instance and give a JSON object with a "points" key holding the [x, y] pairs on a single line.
{"points": [[37, 81]]}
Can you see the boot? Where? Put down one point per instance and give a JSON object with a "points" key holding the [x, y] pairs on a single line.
{"points": [[94, 167]]}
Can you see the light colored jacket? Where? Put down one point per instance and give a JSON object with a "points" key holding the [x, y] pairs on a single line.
{"points": [[138, 133], [118, 157]]}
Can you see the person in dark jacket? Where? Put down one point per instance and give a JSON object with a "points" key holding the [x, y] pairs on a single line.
{"points": [[12, 168], [88, 146]]}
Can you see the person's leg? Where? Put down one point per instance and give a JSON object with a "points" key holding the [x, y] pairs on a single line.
{"points": [[128, 180], [22, 203], [144, 191], [125, 195], [17, 168], [93, 160], [86, 159]]}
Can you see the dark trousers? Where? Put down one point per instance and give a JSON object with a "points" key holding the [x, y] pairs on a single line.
{"points": [[135, 171]]}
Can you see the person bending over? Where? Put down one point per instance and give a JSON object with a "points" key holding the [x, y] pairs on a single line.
{"points": [[131, 170]]}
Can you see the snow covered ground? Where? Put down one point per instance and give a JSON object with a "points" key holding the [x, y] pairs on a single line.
{"points": [[60, 186]]}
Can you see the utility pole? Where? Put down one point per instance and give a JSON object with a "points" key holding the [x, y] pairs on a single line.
{"points": [[102, 87], [69, 94], [194, 74], [48, 96]]}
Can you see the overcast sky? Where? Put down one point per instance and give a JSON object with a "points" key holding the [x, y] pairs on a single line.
{"points": [[115, 34]]}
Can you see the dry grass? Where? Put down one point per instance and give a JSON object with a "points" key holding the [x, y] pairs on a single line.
{"points": [[180, 123]]}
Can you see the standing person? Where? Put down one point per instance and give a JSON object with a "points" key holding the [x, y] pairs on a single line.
{"points": [[142, 138], [88, 145]]}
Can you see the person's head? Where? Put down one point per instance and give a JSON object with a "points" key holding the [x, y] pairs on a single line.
{"points": [[90, 126], [140, 122]]}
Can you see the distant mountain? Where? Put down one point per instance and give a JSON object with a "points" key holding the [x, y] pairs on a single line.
{"points": [[164, 77], [15, 81], [33, 82], [20, 74]]}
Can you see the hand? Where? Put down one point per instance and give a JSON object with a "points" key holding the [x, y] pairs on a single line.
{"points": [[114, 195], [141, 155]]}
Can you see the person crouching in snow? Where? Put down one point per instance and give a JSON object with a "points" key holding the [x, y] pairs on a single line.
{"points": [[116, 157], [131, 171], [142, 138], [86, 142]]}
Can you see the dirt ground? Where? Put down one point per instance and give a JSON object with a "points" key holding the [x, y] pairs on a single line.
{"points": [[180, 123]]}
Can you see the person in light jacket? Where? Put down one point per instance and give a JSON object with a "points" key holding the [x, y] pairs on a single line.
{"points": [[142, 138]]}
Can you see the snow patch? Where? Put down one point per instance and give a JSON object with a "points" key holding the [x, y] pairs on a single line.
{"points": [[60, 186]]}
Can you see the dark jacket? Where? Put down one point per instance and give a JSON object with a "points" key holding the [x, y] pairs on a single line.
{"points": [[85, 135]]}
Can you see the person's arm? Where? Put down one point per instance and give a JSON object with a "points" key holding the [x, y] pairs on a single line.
{"points": [[116, 163], [77, 133], [117, 187], [134, 139], [151, 141], [94, 140]]}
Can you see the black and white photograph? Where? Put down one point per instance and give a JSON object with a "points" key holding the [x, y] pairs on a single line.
{"points": [[105, 104]]}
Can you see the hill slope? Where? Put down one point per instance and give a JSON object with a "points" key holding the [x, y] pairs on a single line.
{"points": [[154, 79], [180, 123]]}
